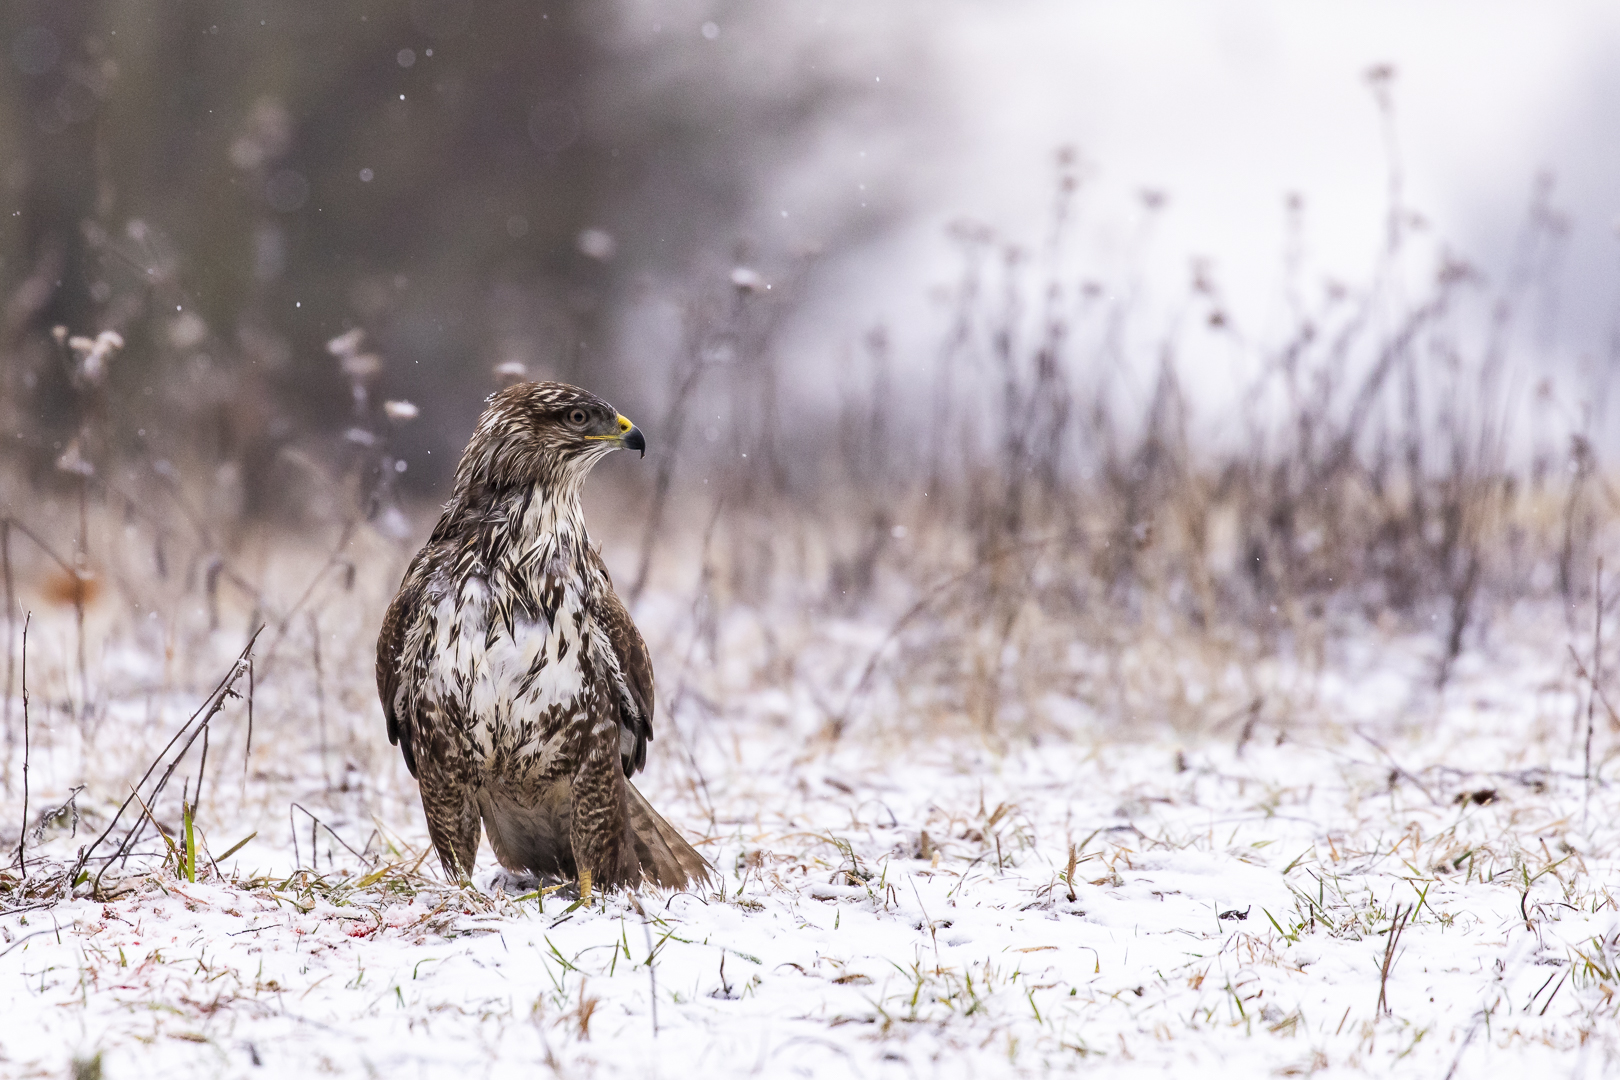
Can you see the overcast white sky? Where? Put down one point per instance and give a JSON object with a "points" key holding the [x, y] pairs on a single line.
{"points": [[1228, 106]]}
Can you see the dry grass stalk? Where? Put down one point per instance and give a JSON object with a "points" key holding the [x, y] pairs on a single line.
{"points": [[195, 725], [22, 834], [1397, 926]]}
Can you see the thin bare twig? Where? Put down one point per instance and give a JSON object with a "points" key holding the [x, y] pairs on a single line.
{"points": [[248, 750], [24, 938], [838, 722], [22, 838], [1597, 675], [1603, 698], [320, 691], [652, 970], [11, 633], [81, 572], [315, 821], [67, 568], [333, 561], [669, 456], [146, 812], [1397, 767], [202, 770], [1396, 927], [207, 711]]}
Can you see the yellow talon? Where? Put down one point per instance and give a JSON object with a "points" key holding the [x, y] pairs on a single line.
{"points": [[584, 884]]}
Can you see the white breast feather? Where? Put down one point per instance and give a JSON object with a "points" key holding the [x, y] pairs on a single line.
{"points": [[492, 669]]}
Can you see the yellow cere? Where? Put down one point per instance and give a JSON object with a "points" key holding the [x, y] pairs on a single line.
{"points": [[624, 426]]}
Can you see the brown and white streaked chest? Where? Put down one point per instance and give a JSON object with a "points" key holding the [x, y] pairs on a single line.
{"points": [[514, 652]]}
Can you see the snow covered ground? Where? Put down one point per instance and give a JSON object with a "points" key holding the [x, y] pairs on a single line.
{"points": [[1387, 881]]}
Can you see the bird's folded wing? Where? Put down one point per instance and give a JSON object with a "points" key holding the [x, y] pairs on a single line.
{"points": [[390, 646], [636, 714]]}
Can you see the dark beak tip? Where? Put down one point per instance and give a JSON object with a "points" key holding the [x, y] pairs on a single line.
{"points": [[634, 440]]}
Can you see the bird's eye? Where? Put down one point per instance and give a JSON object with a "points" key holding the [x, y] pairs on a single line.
{"points": [[576, 417]]}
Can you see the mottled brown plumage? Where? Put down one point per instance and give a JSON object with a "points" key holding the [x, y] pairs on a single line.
{"points": [[512, 677]]}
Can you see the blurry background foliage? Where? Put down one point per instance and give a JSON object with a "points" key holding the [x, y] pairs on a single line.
{"points": [[263, 262], [230, 185]]}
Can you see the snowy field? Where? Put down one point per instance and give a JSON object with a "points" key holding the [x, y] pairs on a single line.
{"points": [[1125, 566], [1361, 877]]}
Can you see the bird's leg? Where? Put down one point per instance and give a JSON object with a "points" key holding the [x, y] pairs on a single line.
{"points": [[596, 826]]}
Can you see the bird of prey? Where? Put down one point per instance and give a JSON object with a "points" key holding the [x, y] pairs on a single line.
{"points": [[511, 675]]}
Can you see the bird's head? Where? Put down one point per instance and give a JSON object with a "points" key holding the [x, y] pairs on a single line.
{"points": [[545, 433]]}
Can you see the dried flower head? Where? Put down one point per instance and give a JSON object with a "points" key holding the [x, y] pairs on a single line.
{"points": [[72, 461], [94, 353], [363, 366], [512, 371], [346, 343]]}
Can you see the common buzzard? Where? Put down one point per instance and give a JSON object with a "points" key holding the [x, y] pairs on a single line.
{"points": [[510, 674]]}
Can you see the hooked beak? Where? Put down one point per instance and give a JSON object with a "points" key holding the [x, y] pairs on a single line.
{"points": [[630, 436]]}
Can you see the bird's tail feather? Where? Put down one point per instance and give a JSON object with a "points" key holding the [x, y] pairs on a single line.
{"points": [[667, 860]]}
